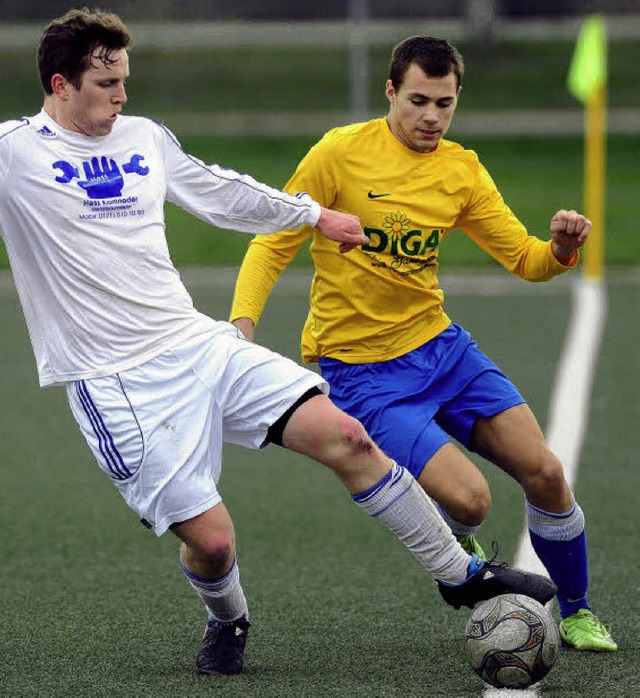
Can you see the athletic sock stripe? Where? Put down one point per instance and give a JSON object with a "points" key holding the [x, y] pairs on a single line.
{"points": [[386, 490], [556, 527], [209, 583], [542, 513], [107, 447], [393, 501], [394, 474]]}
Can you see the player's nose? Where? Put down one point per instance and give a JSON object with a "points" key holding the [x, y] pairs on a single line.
{"points": [[120, 96], [430, 113]]}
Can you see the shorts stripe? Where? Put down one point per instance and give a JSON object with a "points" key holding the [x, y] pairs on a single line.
{"points": [[107, 447]]}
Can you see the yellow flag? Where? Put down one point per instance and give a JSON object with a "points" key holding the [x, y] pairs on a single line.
{"points": [[588, 69]]}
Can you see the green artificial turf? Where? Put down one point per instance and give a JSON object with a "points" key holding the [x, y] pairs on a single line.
{"points": [[94, 605]]}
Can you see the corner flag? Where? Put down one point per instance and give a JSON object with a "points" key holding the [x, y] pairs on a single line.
{"points": [[587, 81], [588, 69]]}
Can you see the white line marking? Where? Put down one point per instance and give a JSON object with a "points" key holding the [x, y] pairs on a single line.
{"points": [[568, 410]]}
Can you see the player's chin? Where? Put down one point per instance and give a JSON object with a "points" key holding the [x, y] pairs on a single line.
{"points": [[427, 141], [103, 128], [106, 125]]}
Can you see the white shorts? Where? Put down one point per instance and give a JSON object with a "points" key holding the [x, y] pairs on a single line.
{"points": [[157, 429]]}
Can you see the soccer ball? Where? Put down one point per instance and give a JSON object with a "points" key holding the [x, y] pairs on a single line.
{"points": [[511, 641]]}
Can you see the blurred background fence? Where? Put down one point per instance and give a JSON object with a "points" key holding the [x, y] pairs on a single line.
{"points": [[168, 10], [289, 67]]}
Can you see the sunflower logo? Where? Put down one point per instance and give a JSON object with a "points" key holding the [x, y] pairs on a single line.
{"points": [[396, 224]]}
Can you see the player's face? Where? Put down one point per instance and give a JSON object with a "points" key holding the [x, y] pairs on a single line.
{"points": [[421, 108], [93, 108]]}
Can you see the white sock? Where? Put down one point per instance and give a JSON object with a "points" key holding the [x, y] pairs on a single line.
{"points": [[402, 506], [223, 597]]}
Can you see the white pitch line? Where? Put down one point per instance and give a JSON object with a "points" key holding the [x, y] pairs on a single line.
{"points": [[568, 410]]}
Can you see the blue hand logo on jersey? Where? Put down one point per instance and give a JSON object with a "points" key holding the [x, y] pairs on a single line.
{"points": [[103, 178]]}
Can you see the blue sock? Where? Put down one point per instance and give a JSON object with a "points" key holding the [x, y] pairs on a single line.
{"points": [[560, 542]]}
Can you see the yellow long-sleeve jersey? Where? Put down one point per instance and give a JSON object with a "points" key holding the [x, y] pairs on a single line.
{"points": [[382, 300]]}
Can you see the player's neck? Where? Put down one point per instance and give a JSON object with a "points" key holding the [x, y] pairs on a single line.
{"points": [[55, 110]]}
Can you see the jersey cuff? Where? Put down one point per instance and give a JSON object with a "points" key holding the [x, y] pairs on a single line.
{"points": [[314, 214]]}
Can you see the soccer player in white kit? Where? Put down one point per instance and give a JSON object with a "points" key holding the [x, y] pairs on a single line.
{"points": [[155, 386]]}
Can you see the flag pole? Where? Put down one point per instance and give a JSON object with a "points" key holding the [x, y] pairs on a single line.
{"points": [[594, 181]]}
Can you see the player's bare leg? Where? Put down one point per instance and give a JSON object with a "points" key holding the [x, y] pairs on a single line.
{"points": [[514, 441], [461, 493], [208, 559], [456, 483], [388, 492]]}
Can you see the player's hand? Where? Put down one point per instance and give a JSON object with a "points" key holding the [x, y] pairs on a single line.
{"points": [[246, 326], [343, 228], [569, 231]]}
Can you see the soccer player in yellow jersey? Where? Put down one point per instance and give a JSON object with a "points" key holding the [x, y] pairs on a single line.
{"points": [[377, 326]]}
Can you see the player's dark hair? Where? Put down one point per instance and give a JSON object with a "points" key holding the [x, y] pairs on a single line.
{"points": [[436, 57], [68, 44]]}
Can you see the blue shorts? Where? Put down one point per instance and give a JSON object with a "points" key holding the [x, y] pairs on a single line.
{"points": [[412, 405]]}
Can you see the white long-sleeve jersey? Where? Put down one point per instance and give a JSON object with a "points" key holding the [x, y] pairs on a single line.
{"points": [[82, 219]]}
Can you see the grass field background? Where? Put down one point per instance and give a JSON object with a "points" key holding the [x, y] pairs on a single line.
{"points": [[95, 605]]}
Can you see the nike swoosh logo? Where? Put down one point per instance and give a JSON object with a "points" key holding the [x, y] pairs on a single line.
{"points": [[371, 195]]}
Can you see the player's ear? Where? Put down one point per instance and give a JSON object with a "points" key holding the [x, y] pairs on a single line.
{"points": [[60, 86], [390, 92]]}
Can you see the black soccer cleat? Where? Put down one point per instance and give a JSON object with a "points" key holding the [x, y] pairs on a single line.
{"points": [[487, 579], [222, 647]]}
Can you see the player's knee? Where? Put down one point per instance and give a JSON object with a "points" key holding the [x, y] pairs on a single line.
{"points": [[477, 505], [346, 443], [354, 439], [472, 506], [216, 549], [546, 478]]}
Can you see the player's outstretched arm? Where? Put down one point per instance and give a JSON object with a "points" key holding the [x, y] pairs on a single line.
{"points": [[343, 228], [569, 231]]}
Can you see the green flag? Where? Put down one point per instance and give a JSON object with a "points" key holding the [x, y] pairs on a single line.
{"points": [[588, 69]]}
